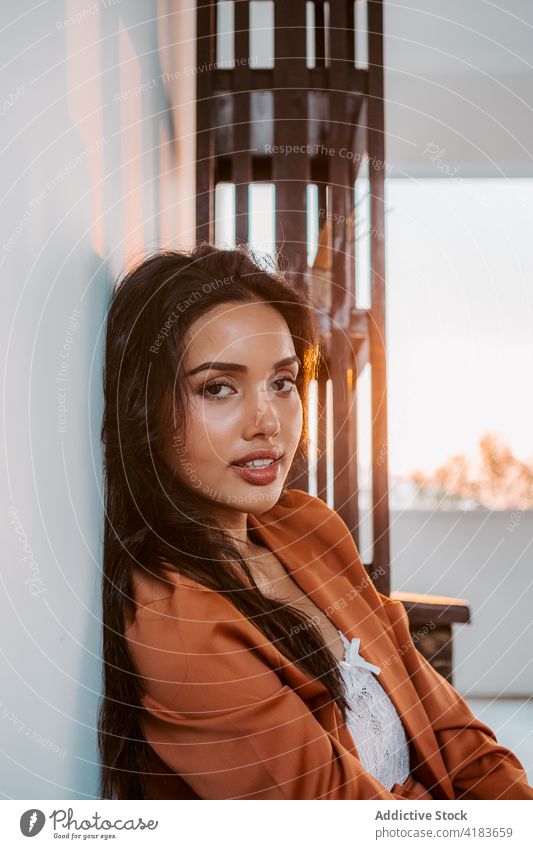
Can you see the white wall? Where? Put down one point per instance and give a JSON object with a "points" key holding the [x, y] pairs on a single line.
{"points": [[487, 558], [93, 173]]}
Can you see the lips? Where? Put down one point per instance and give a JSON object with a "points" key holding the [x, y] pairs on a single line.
{"points": [[261, 454], [261, 475]]}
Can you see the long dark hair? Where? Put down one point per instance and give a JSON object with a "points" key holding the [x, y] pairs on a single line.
{"points": [[152, 520]]}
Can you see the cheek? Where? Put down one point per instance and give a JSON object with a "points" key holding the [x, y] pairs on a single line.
{"points": [[210, 432], [295, 415]]}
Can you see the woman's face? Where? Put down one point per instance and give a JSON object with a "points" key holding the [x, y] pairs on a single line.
{"points": [[248, 402]]}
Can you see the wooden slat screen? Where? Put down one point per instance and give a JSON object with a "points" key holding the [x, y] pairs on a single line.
{"points": [[328, 115]]}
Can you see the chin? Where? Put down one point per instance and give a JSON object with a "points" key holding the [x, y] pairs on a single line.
{"points": [[264, 501]]}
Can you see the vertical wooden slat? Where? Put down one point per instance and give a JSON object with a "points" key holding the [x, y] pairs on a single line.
{"points": [[342, 368], [205, 140], [343, 359], [291, 170], [321, 474], [350, 32], [356, 530], [320, 45], [242, 164], [376, 149], [323, 376]]}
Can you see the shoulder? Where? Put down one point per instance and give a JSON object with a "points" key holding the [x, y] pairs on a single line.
{"points": [[195, 634], [181, 615], [189, 626], [331, 536], [307, 513], [316, 530], [321, 535], [299, 499]]}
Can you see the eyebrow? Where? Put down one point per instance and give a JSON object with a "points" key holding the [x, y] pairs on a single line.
{"points": [[218, 366]]}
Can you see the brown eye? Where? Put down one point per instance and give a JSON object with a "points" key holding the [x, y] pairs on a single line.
{"points": [[286, 380], [205, 390]]}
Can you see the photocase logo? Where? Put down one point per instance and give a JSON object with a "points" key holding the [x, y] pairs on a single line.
{"points": [[64, 824], [32, 822]]}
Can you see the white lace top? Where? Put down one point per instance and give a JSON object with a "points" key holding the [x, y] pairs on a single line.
{"points": [[373, 721]]}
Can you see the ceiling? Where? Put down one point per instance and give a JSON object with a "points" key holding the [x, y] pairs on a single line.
{"points": [[459, 88]]}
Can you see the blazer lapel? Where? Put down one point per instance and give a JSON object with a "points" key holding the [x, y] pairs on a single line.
{"points": [[313, 563]]}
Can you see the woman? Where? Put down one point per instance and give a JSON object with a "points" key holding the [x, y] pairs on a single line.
{"points": [[247, 653]]}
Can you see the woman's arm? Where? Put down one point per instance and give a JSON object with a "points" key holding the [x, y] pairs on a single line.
{"points": [[478, 766], [218, 714]]}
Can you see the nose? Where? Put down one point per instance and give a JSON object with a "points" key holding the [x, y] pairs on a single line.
{"points": [[263, 418]]}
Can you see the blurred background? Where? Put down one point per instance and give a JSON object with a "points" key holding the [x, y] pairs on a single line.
{"points": [[100, 164]]}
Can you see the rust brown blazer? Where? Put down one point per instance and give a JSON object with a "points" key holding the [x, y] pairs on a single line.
{"points": [[228, 716]]}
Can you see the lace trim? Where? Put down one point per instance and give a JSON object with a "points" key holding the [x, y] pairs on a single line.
{"points": [[373, 721]]}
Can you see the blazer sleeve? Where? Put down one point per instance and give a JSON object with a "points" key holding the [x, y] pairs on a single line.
{"points": [[217, 713], [478, 766]]}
